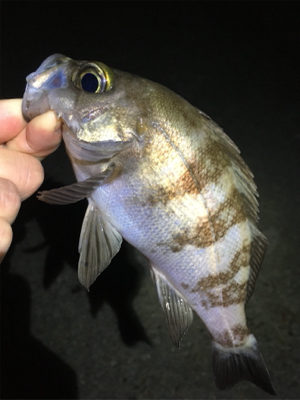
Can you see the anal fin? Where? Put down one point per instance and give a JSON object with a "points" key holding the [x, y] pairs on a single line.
{"points": [[179, 314], [99, 242]]}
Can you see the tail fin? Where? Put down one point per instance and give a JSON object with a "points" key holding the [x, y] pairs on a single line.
{"points": [[231, 365]]}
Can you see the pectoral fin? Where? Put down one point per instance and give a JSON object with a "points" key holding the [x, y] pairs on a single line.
{"points": [[79, 190], [178, 313], [99, 242]]}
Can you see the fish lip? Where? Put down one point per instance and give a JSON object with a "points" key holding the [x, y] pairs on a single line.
{"points": [[35, 98], [31, 98]]}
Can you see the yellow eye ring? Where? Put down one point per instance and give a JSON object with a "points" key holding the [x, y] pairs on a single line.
{"points": [[94, 77]]}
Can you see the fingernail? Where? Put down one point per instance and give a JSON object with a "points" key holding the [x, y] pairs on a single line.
{"points": [[57, 128]]}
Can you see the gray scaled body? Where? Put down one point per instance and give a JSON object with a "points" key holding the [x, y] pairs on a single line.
{"points": [[161, 174]]}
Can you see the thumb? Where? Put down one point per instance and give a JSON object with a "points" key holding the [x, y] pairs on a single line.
{"points": [[40, 137]]}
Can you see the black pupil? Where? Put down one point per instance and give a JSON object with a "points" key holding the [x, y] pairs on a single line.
{"points": [[89, 83]]}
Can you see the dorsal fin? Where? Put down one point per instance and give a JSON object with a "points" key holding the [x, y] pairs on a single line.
{"points": [[246, 186], [258, 249], [242, 173], [179, 314]]}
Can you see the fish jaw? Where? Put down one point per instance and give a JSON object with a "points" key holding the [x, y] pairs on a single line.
{"points": [[50, 88], [49, 75]]}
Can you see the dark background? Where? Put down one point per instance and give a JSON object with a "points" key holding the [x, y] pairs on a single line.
{"points": [[239, 63]]}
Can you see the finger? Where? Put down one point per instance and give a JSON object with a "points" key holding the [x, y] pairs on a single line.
{"points": [[9, 200], [25, 171], [9, 206], [5, 237], [40, 137], [11, 119]]}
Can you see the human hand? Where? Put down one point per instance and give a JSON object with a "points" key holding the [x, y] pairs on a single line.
{"points": [[22, 146]]}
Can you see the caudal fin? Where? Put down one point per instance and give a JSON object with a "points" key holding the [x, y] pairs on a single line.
{"points": [[231, 365]]}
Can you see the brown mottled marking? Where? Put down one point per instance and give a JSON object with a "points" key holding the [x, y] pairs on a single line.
{"points": [[185, 285], [161, 195], [207, 232], [184, 185], [204, 304], [239, 332], [211, 161], [206, 167], [232, 292], [240, 259]]}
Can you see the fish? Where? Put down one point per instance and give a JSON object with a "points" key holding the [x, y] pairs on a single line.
{"points": [[162, 175]]}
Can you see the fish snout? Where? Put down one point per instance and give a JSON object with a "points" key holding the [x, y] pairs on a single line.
{"points": [[50, 75]]}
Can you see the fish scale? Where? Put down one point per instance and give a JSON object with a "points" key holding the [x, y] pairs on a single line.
{"points": [[172, 184]]}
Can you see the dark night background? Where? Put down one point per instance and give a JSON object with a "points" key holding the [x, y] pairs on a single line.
{"points": [[239, 63]]}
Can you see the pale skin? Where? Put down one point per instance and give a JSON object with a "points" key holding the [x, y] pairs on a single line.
{"points": [[22, 146]]}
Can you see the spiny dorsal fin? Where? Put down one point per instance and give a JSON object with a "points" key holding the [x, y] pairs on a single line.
{"points": [[99, 242], [179, 314], [242, 173], [246, 186]]}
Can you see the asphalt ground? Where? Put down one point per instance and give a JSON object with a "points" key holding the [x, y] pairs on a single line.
{"points": [[239, 63]]}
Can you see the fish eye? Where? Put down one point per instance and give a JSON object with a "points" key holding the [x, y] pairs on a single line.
{"points": [[90, 82], [94, 78]]}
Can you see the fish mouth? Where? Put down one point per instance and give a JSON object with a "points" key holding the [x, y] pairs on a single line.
{"points": [[49, 75]]}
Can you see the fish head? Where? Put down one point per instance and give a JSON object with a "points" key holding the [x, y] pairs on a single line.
{"points": [[96, 104]]}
